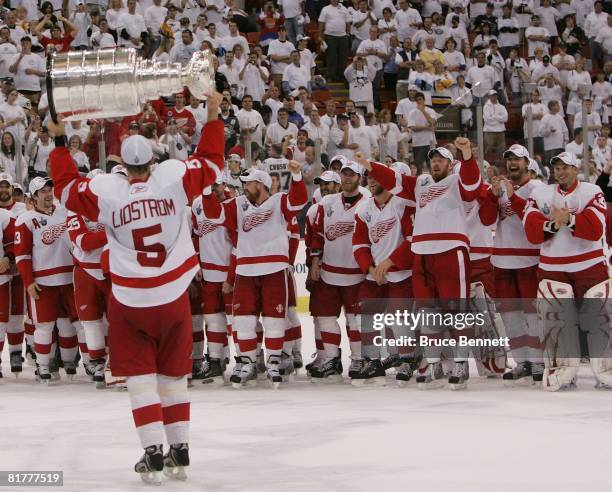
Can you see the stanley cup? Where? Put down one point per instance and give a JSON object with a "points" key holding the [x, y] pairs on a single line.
{"points": [[117, 82]]}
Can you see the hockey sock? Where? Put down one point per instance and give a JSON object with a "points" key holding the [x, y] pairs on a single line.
{"points": [[288, 337], [3, 327], [28, 328], [535, 333], [14, 333], [275, 335], [146, 408], [43, 337], [68, 340], [175, 408], [235, 339], [216, 334], [330, 335], [260, 335], [94, 338], [295, 328], [82, 341], [197, 330], [317, 333], [245, 327], [354, 335]]}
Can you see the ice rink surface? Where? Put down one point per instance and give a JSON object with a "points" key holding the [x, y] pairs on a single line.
{"points": [[311, 438]]}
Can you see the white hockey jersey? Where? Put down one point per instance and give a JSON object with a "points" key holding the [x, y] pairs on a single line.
{"points": [[88, 239], [511, 248], [278, 167], [570, 249], [334, 226], [7, 234], [215, 245], [480, 235], [380, 231], [42, 247]]}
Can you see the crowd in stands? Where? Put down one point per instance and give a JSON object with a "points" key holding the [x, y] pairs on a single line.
{"points": [[311, 80]]}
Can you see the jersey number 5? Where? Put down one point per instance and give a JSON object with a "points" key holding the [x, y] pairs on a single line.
{"points": [[149, 255]]}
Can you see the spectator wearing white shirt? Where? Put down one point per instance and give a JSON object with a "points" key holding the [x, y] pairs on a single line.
{"points": [[550, 90], [563, 62], [154, 17], [494, 116], [101, 38], [334, 27], [543, 69], [231, 70], [253, 78], [387, 27], [28, 69], [462, 98], [483, 73], [296, 75], [555, 133], [509, 31], [272, 99], [602, 153], [408, 20], [575, 79], [291, 11], [361, 21], [280, 129], [279, 52], [576, 146], [418, 40], [317, 131], [360, 77], [517, 71], [233, 38], [537, 36], [200, 115], [593, 122], [339, 139], [251, 122], [421, 121], [375, 52], [422, 79], [131, 27], [595, 21], [538, 111], [549, 16], [604, 39], [8, 50], [457, 31], [182, 53]]}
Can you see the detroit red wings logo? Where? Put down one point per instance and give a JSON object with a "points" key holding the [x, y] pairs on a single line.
{"points": [[339, 229], [95, 227], [380, 229], [505, 210], [52, 233], [430, 194], [206, 227], [255, 220]]}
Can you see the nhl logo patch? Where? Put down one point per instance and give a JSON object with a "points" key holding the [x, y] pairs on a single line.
{"points": [[245, 205], [329, 212], [198, 210], [136, 159], [545, 209], [426, 181], [367, 217], [43, 222]]}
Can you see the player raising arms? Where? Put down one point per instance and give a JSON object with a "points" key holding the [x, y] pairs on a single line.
{"points": [[151, 261]]}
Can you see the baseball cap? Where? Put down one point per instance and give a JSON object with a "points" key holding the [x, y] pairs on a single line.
{"points": [[17, 186], [492, 92], [6, 177], [340, 158], [402, 168], [442, 151], [327, 177], [94, 172], [413, 87], [119, 169], [533, 166], [136, 151], [517, 150], [39, 183], [234, 157], [4, 26], [300, 37], [353, 166], [256, 175], [565, 158]]}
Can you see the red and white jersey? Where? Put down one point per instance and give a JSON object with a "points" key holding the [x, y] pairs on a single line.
{"points": [[215, 245], [16, 208], [480, 216], [333, 234], [575, 248], [511, 248], [7, 235], [278, 167], [440, 222], [42, 247], [383, 232], [262, 240], [151, 256], [88, 239]]}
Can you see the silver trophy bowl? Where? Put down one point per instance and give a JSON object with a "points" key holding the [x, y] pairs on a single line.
{"points": [[117, 82]]}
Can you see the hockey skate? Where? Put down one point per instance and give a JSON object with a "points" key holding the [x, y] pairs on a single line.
{"points": [[537, 371], [98, 366], [298, 362], [212, 372], [273, 371], [151, 465], [371, 373], [197, 369], [16, 363], [519, 376], [54, 369], [406, 370], [43, 374], [116, 382], [260, 365], [330, 371], [286, 368], [176, 460], [459, 377], [246, 376], [71, 368], [30, 355], [392, 361], [316, 362], [356, 367], [431, 376], [559, 378]]}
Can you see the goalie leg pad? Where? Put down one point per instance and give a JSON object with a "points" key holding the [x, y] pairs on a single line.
{"points": [[596, 319]]}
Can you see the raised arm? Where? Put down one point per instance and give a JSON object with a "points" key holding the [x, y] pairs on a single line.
{"points": [[398, 184]]}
